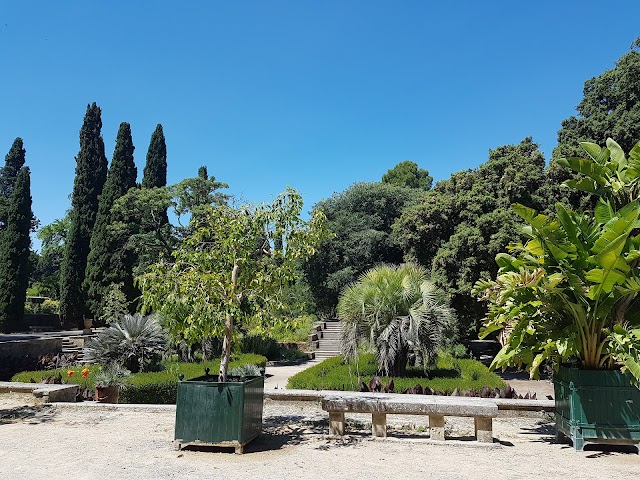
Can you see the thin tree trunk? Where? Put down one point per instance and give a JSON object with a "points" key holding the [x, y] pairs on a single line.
{"points": [[226, 348], [228, 328]]}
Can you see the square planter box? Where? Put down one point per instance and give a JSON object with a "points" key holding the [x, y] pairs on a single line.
{"points": [[219, 414], [597, 406]]}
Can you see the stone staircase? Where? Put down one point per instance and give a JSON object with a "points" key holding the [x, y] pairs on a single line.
{"points": [[74, 345], [328, 342]]}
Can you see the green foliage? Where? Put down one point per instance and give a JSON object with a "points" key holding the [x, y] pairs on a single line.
{"points": [[399, 311], [45, 275], [194, 195], [229, 269], [260, 345], [361, 218], [15, 253], [445, 376], [296, 329], [13, 163], [112, 375], [155, 170], [407, 174], [610, 107], [91, 173], [110, 261], [49, 306], [146, 387], [134, 341], [114, 304], [465, 221], [573, 285]]}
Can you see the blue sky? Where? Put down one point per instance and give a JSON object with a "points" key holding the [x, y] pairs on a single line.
{"points": [[315, 95]]}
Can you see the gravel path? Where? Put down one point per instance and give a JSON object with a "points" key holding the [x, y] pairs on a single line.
{"points": [[41, 441]]}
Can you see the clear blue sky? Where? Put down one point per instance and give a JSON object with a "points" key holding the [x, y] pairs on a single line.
{"points": [[315, 95]]}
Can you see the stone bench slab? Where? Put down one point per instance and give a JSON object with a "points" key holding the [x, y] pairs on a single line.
{"points": [[395, 403], [49, 392]]}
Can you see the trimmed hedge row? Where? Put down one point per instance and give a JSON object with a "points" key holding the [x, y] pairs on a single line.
{"points": [[148, 387], [447, 375]]}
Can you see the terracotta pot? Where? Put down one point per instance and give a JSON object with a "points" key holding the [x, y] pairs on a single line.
{"points": [[107, 394], [88, 323]]}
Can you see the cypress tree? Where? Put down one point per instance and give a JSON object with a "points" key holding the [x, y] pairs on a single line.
{"points": [[109, 261], [8, 174], [14, 161], [91, 172], [155, 170], [15, 252]]}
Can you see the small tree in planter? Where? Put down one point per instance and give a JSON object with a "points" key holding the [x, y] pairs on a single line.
{"points": [[233, 265], [571, 292]]}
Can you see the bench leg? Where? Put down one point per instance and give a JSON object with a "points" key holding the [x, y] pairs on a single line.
{"points": [[379, 424], [484, 429], [336, 423], [436, 426]]}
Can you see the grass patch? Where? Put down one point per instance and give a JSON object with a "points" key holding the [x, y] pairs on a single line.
{"points": [[447, 375], [148, 387]]}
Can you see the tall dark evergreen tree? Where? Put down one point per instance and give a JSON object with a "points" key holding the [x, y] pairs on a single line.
{"points": [[91, 173], [155, 170], [109, 260], [8, 174], [14, 253]]}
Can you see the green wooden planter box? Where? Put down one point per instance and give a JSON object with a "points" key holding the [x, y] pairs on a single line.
{"points": [[598, 406], [220, 414]]}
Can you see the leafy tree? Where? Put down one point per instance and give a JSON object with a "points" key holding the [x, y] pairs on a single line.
{"points": [[610, 107], [91, 173], [361, 218], [407, 174], [109, 261], [14, 161], [140, 217], [194, 195], [399, 311], [15, 253], [228, 270], [462, 224], [45, 275]]}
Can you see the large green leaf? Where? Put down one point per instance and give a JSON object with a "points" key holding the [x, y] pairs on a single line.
{"points": [[599, 155], [604, 211], [586, 167], [617, 154]]}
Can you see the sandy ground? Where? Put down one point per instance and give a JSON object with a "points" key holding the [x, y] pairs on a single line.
{"points": [[59, 442]]}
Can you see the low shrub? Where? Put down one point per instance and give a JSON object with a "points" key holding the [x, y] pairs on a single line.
{"points": [[447, 375], [148, 387]]}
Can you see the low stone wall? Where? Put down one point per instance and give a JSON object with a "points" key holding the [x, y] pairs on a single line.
{"points": [[47, 392], [23, 354]]}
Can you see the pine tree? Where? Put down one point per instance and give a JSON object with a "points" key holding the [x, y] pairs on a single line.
{"points": [[91, 172], [109, 261], [155, 170], [15, 252]]}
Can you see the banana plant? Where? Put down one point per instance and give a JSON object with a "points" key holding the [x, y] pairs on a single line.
{"points": [[572, 290]]}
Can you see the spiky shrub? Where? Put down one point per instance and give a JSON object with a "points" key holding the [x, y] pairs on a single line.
{"points": [[399, 311], [113, 375], [137, 342]]}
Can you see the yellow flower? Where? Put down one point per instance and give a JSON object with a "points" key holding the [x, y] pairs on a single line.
{"points": [[85, 373], [70, 373]]}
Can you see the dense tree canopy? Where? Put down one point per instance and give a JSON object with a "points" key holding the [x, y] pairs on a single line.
{"points": [[361, 218], [14, 253], [459, 227], [91, 173], [610, 108], [407, 174], [110, 262]]}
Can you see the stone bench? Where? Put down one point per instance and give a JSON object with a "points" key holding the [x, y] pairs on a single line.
{"points": [[435, 406], [48, 392]]}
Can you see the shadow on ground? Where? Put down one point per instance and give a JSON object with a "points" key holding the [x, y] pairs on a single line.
{"points": [[29, 414]]}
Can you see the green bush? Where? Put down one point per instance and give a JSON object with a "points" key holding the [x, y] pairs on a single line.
{"points": [[447, 375], [260, 345], [148, 387]]}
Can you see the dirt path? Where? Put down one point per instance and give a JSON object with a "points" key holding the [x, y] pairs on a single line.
{"points": [[39, 441]]}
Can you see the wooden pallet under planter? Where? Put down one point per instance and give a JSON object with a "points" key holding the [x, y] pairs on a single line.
{"points": [[219, 414], [597, 406]]}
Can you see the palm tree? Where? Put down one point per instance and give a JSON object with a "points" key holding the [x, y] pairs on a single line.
{"points": [[398, 310]]}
